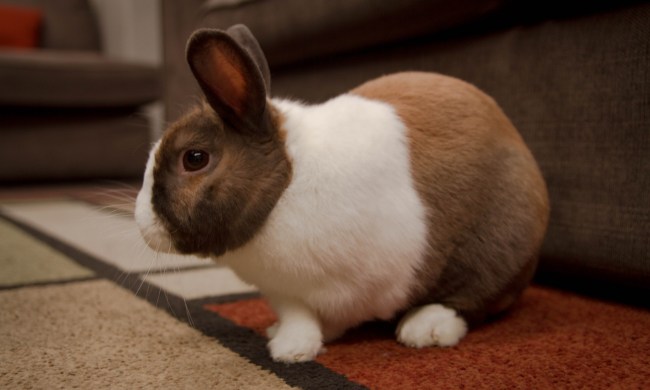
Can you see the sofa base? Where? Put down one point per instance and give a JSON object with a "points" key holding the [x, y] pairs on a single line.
{"points": [[56, 146]]}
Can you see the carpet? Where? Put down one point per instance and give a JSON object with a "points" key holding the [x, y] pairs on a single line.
{"points": [[84, 304]]}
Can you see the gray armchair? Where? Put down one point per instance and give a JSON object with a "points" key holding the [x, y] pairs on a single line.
{"points": [[66, 110]]}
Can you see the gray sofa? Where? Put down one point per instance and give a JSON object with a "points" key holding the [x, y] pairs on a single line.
{"points": [[66, 110], [573, 77]]}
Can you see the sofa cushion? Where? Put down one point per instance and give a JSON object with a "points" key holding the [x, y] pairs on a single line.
{"points": [[72, 144], [19, 26], [67, 24], [293, 30], [578, 90], [50, 78]]}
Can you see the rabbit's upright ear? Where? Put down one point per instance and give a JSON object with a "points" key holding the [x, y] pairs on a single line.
{"points": [[247, 40], [230, 79]]}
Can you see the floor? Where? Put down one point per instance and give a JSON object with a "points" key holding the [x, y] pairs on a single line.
{"points": [[551, 339], [97, 217], [87, 305]]}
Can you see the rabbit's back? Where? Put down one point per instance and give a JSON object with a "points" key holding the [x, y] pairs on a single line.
{"points": [[487, 205]]}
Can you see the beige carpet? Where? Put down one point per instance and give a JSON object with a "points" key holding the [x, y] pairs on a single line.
{"points": [[94, 334]]}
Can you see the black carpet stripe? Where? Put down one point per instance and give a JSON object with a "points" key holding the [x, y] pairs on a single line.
{"points": [[244, 341], [49, 283]]}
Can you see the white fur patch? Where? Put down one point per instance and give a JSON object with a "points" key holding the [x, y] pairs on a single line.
{"points": [[349, 233], [297, 335], [431, 325], [153, 232]]}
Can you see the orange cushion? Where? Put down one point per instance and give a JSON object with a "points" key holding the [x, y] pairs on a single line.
{"points": [[19, 26]]}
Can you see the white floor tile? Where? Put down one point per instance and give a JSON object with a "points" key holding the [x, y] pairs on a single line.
{"points": [[200, 283], [109, 237]]}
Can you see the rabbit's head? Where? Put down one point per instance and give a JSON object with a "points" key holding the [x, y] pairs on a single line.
{"points": [[216, 174]]}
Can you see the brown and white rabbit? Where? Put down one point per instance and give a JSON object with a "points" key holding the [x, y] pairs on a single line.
{"points": [[412, 195]]}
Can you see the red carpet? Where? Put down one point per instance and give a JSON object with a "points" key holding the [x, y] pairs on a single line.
{"points": [[550, 340]]}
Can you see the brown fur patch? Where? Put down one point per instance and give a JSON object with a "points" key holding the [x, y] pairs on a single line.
{"points": [[486, 199], [222, 206]]}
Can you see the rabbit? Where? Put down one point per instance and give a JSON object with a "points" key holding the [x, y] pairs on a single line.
{"points": [[411, 198]]}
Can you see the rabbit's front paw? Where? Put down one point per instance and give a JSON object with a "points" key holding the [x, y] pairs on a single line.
{"points": [[295, 348], [272, 330], [431, 325]]}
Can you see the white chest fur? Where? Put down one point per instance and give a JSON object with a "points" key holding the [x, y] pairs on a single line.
{"points": [[349, 232]]}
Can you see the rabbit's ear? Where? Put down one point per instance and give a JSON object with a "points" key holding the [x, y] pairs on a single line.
{"points": [[230, 79], [247, 40]]}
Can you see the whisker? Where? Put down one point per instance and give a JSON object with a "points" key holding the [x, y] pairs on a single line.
{"points": [[188, 313], [119, 201], [124, 208], [160, 288], [169, 304], [121, 278], [149, 267]]}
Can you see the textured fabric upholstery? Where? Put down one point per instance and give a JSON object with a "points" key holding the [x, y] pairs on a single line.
{"points": [[42, 145], [57, 78], [317, 28]]}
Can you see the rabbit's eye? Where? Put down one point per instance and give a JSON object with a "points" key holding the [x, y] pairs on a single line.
{"points": [[194, 160]]}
